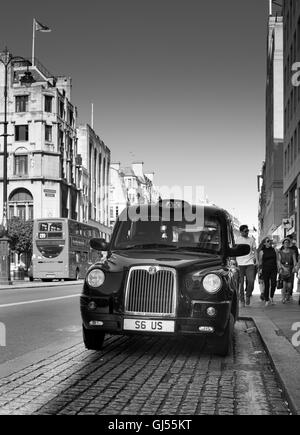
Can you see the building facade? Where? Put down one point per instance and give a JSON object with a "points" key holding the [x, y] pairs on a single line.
{"points": [[41, 146], [291, 147], [129, 185], [272, 207], [94, 164]]}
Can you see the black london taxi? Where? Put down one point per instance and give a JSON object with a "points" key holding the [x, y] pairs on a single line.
{"points": [[169, 269]]}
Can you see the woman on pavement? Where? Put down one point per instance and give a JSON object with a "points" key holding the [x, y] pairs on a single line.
{"points": [[268, 261], [286, 267]]}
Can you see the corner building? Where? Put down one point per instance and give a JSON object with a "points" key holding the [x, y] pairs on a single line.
{"points": [[42, 145]]}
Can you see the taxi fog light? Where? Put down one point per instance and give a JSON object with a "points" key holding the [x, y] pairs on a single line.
{"points": [[206, 329], [211, 311], [96, 323], [92, 305]]}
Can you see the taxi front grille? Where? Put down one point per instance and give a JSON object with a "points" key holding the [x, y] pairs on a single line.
{"points": [[151, 290]]}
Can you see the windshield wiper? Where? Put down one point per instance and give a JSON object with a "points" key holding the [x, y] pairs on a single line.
{"points": [[146, 245], [196, 249]]}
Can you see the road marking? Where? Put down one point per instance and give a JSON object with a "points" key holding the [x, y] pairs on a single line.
{"points": [[38, 300]]}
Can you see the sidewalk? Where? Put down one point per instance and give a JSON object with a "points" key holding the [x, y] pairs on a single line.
{"points": [[279, 328], [33, 284]]}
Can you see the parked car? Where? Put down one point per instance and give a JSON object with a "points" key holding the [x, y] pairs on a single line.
{"points": [[169, 270]]}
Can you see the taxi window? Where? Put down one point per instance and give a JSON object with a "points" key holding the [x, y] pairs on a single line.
{"points": [[170, 233]]}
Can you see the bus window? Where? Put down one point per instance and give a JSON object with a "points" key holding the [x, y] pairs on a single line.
{"points": [[54, 227], [49, 250]]}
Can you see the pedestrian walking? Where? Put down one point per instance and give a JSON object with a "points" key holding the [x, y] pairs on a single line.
{"points": [[296, 251], [260, 276], [286, 267], [268, 267], [247, 265]]}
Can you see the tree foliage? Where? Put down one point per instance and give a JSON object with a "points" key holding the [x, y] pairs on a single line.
{"points": [[20, 235]]}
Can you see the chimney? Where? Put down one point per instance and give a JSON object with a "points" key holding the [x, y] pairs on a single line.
{"points": [[115, 166], [138, 168], [150, 175]]}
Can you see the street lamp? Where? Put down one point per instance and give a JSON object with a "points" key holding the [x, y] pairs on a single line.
{"points": [[7, 59]]}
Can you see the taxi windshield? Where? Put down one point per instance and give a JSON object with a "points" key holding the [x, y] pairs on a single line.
{"points": [[175, 235]]}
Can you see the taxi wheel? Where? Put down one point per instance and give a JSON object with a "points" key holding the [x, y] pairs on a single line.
{"points": [[93, 340], [223, 345]]}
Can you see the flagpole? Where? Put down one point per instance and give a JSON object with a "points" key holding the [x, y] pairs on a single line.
{"points": [[33, 41]]}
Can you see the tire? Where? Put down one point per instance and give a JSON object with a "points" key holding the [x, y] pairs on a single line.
{"points": [[223, 345], [93, 340], [30, 278]]}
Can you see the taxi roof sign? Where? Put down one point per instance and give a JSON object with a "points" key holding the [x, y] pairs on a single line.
{"points": [[173, 203]]}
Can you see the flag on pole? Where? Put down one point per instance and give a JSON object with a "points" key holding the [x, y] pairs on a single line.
{"points": [[41, 27]]}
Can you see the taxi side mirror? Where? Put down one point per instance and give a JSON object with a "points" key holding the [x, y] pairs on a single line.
{"points": [[99, 244], [239, 250]]}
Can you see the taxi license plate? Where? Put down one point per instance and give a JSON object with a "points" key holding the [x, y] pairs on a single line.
{"points": [[149, 325]]}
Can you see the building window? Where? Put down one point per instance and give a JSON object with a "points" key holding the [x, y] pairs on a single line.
{"points": [[21, 204], [30, 212], [292, 200], [11, 212], [21, 212], [61, 109], [22, 103], [21, 165], [70, 116], [285, 162], [48, 133], [21, 132], [48, 103]]}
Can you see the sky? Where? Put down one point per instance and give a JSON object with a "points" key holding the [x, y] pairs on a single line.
{"points": [[176, 84]]}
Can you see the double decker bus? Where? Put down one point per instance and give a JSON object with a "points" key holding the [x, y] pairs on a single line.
{"points": [[61, 249]]}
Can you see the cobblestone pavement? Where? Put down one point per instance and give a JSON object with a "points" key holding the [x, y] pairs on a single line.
{"points": [[148, 376]]}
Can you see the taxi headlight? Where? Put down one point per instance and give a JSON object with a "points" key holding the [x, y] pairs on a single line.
{"points": [[212, 283], [95, 278]]}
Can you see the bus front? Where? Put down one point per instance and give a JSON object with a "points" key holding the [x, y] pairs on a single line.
{"points": [[50, 249]]}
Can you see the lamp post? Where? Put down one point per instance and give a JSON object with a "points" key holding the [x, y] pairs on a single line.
{"points": [[6, 61]]}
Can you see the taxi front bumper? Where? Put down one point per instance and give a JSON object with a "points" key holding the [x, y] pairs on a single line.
{"points": [[206, 318]]}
